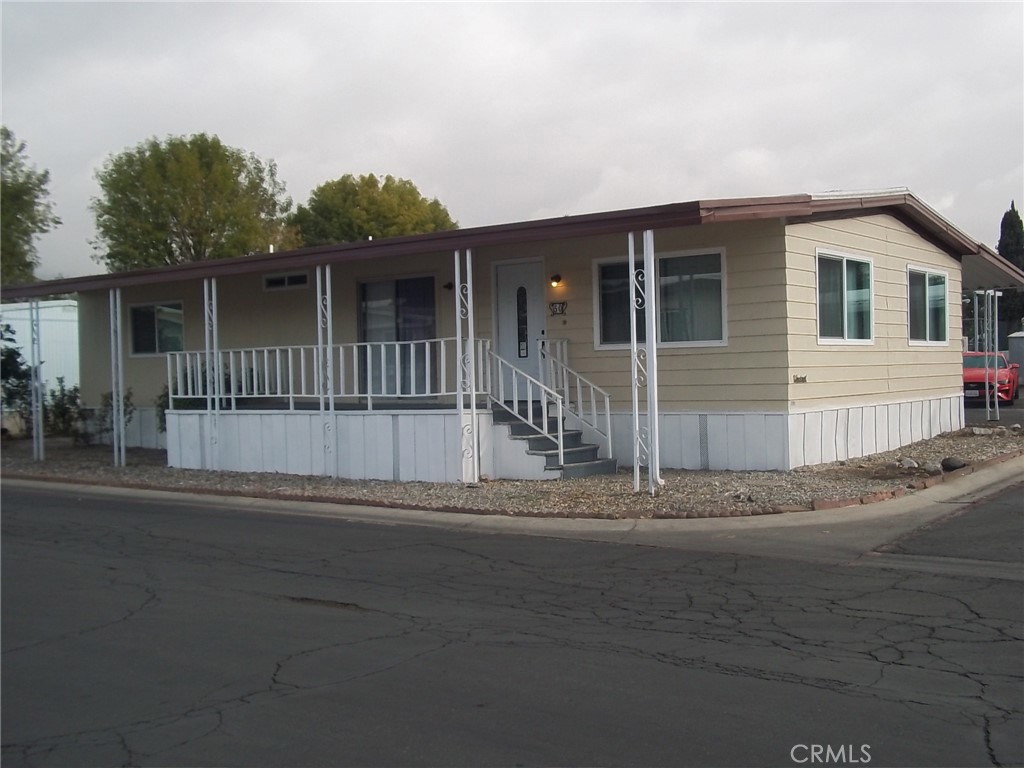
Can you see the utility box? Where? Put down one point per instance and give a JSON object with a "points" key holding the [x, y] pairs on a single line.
{"points": [[1015, 342]]}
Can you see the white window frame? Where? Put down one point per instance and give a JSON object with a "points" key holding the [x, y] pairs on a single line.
{"points": [[927, 271], [131, 327], [596, 264], [842, 256], [286, 276]]}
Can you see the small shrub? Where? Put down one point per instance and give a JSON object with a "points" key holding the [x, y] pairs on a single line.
{"points": [[105, 413], [64, 410]]}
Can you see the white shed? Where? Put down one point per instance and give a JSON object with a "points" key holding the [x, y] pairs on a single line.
{"points": [[58, 334]]}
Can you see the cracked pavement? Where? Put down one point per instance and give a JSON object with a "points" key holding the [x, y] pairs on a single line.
{"points": [[160, 630]]}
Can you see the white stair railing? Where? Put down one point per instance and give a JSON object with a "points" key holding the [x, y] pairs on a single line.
{"points": [[518, 396], [584, 399]]}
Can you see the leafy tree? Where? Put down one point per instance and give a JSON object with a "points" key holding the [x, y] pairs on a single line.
{"points": [[350, 209], [15, 377], [187, 199], [25, 211]]}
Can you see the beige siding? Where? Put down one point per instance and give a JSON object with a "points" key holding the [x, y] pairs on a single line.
{"points": [[771, 314], [747, 374], [889, 368], [145, 374]]}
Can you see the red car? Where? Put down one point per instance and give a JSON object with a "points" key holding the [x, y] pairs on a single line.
{"points": [[1002, 374]]}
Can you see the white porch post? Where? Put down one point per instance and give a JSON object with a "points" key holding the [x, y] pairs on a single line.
{"points": [[644, 362], [214, 374], [654, 481], [466, 369], [116, 379], [325, 373], [37, 392]]}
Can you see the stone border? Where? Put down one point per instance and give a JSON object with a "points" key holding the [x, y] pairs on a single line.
{"points": [[915, 485]]}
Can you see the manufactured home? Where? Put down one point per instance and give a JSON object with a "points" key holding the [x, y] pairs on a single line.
{"points": [[747, 334]]}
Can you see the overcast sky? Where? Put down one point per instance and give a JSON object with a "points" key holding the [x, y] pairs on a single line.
{"points": [[510, 112]]}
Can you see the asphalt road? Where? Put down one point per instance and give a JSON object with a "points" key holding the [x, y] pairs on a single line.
{"points": [[178, 631], [975, 414]]}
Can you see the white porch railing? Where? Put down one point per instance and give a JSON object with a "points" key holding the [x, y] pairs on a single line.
{"points": [[584, 399], [367, 370], [519, 397]]}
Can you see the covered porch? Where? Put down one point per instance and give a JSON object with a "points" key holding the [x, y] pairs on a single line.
{"points": [[440, 409]]}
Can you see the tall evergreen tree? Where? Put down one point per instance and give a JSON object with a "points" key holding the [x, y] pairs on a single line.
{"points": [[1011, 237], [1011, 248]]}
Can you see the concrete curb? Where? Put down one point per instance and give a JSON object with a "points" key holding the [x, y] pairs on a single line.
{"points": [[818, 504]]}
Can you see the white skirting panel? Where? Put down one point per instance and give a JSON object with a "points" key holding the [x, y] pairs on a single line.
{"points": [[734, 441], [835, 434], [364, 445], [780, 441]]}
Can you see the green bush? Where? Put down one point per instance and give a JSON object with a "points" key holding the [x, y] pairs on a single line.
{"points": [[63, 411]]}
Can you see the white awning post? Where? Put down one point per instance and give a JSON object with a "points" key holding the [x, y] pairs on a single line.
{"points": [[995, 348], [977, 319], [214, 375], [37, 392], [325, 344], [654, 481], [116, 379], [465, 353]]}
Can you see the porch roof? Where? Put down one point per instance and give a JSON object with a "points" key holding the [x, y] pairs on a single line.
{"points": [[983, 267]]}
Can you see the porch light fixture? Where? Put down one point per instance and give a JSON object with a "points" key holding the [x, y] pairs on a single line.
{"points": [[556, 280]]}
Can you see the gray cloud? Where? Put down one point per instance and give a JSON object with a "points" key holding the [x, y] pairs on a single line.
{"points": [[516, 111]]}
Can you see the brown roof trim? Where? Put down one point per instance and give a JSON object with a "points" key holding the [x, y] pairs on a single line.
{"points": [[792, 208]]}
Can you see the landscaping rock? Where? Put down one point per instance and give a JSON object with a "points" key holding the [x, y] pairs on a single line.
{"points": [[951, 463], [932, 468], [908, 463]]}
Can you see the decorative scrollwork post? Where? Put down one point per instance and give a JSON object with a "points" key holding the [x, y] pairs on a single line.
{"points": [[465, 353], [214, 374], [643, 286], [325, 370], [37, 391]]}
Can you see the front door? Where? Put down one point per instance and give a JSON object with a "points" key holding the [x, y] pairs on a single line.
{"points": [[519, 292]]}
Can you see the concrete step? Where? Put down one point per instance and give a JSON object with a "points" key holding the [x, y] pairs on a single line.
{"points": [[589, 468], [571, 438], [578, 455], [522, 429], [502, 416]]}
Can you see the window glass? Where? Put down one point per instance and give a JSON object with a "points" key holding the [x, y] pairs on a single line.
{"points": [[844, 298], [858, 300], [830, 298], [690, 298], [615, 301], [397, 311], [937, 321], [927, 306], [918, 306], [157, 328]]}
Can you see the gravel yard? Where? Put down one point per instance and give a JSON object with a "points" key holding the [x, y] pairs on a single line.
{"points": [[685, 493]]}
